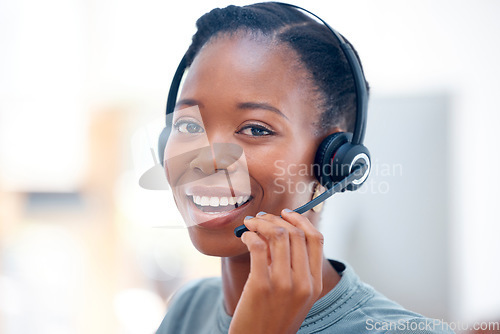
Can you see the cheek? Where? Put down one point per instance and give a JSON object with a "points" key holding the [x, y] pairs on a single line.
{"points": [[283, 171], [174, 164]]}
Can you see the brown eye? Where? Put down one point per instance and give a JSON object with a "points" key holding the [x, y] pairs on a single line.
{"points": [[188, 127], [255, 131]]}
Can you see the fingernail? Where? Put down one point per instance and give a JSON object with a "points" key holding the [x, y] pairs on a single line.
{"points": [[248, 217], [261, 213], [287, 210]]}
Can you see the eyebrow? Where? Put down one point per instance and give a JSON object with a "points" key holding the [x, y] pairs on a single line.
{"points": [[241, 106], [188, 102], [260, 105]]}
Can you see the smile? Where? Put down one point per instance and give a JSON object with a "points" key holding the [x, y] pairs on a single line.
{"points": [[215, 204]]}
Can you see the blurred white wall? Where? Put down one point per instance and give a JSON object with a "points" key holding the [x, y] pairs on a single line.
{"points": [[62, 59], [43, 66]]}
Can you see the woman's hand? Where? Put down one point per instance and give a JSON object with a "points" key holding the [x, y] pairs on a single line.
{"points": [[285, 278]]}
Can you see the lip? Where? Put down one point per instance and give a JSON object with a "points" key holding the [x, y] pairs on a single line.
{"points": [[216, 220]]}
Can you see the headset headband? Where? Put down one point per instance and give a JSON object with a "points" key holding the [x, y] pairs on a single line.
{"points": [[357, 73]]}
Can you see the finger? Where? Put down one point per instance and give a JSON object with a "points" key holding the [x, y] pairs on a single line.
{"points": [[314, 240], [258, 254], [277, 239], [299, 259]]}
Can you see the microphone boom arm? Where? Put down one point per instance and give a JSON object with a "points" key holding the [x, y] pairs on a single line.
{"points": [[359, 171]]}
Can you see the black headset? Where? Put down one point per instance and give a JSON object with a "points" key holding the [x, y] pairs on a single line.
{"points": [[339, 155]]}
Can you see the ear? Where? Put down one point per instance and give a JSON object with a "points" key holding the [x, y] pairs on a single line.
{"points": [[318, 190]]}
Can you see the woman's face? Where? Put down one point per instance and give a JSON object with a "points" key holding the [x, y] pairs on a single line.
{"points": [[242, 140]]}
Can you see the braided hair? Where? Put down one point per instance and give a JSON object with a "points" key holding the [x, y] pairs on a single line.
{"points": [[317, 49]]}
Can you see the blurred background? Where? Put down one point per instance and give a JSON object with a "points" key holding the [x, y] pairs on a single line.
{"points": [[83, 85]]}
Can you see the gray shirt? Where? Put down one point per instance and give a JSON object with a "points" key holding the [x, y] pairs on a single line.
{"points": [[351, 307]]}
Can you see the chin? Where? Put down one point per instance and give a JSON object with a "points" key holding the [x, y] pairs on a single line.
{"points": [[216, 243]]}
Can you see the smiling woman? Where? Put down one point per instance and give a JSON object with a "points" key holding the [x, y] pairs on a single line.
{"points": [[266, 84]]}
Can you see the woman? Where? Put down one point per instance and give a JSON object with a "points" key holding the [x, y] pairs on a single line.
{"points": [[266, 84]]}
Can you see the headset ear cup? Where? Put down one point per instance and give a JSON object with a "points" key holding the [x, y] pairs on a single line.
{"points": [[163, 138], [345, 160], [324, 157]]}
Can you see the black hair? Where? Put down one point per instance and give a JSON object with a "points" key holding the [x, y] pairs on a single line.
{"points": [[318, 50]]}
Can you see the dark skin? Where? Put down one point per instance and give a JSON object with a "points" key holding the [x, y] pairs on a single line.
{"points": [[253, 93]]}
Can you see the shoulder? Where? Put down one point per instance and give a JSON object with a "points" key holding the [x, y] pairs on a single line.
{"points": [[355, 307], [198, 288], [191, 304], [196, 293], [383, 315], [379, 314]]}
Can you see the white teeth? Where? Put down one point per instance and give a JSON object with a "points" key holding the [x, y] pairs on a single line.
{"points": [[214, 201], [205, 201], [219, 201]]}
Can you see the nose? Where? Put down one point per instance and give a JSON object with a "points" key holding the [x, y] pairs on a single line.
{"points": [[218, 156]]}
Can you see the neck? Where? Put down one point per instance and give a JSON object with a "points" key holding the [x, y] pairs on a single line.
{"points": [[235, 271]]}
